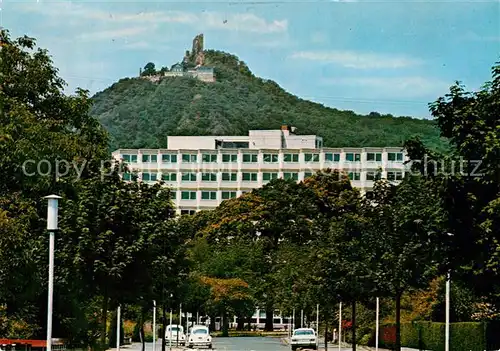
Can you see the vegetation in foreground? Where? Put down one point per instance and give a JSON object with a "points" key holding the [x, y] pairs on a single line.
{"points": [[286, 245]]}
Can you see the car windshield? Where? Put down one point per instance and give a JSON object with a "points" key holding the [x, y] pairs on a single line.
{"points": [[200, 331], [174, 329], [303, 332]]}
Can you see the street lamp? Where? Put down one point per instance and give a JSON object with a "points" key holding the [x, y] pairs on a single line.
{"points": [[52, 226]]}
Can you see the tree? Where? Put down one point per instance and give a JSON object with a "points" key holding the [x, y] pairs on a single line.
{"points": [[149, 69], [471, 193], [226, 295], [40, 126], [404, 221]]}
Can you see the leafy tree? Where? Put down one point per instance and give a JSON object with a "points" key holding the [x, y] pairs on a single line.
{"points": [[149, 69], [471, 193], [404, 220]]}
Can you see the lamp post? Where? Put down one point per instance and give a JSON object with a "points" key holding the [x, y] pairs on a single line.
{"points": [[317, 319], [340, 323], [118, 325], [52, 226], [154, 325], [377, 325]]}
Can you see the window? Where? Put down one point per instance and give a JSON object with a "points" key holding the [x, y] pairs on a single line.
{"points": [[229, 177], [188, 177], [332, 157], [228, 195], [270, 158], [188, 195], [232, 144], [169, 158], [229, 158], [149, 158], [307, 174], [250, 177], [291, 158], [187, 212], [354, 176], [133, 159], [209, 158], [374, 156], [127, 176], [209, 195], [173, 194], [395, 156], [269, 176], [352, 157], [291, 175], [149, 177], [249, 158], [311, 157], [126, 158], [209, 177], [189, 158], [169, 177], [370, 175], [394, 175]]}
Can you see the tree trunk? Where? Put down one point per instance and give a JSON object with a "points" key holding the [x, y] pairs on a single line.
{"points": [[398, 321], [163, 341], [212, 323], [354, 326], [104, 318], [241, 323], [269, 318], [225, 323], [326, 334], [143, 335]]}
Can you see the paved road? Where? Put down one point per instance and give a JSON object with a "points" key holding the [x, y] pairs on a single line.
{"points": [[248, 344]]}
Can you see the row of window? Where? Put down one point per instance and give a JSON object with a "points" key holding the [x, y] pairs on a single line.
{"points": [[251, 176], [205, 195], [267, 158]]}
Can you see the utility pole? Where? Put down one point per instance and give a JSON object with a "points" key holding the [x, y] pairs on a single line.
{"points": [[301, 318]]}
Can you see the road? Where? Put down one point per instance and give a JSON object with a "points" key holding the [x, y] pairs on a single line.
{"points": [[248, 344], [234, 344]]}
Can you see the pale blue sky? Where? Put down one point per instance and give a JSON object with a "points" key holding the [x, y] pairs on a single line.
{"points": [[391, 56]]}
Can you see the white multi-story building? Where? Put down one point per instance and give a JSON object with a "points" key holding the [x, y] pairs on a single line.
{"points": [[203, 171]]}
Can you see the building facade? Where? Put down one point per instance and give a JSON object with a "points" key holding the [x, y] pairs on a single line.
{"points": [[203, 171]]}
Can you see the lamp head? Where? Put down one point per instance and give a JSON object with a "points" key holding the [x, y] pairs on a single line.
{"points": [[52, 210]]}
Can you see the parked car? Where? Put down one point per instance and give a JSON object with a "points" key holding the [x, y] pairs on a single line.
{"points": [[175, 333], [199, 336], [304, 338]]}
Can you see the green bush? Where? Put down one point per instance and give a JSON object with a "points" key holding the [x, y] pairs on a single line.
{"points": [[466, 336]]}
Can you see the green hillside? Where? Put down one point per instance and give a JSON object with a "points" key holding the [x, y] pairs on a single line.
{"points": [[141, 114]]}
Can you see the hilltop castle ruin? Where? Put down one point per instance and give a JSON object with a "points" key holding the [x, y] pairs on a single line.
{"points": [[193, 65]]}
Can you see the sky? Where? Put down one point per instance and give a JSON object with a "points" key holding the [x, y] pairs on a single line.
{"points": [[386, 56]]}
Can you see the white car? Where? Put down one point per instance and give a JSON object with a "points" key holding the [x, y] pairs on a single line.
{"points": [[304, 338], [199, 336], [175, 333]]}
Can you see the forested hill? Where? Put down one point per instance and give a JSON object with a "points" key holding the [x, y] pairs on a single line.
{"points": [[141, 114]]}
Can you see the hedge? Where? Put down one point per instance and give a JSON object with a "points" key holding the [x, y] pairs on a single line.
{"points": [[468, 336]]}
